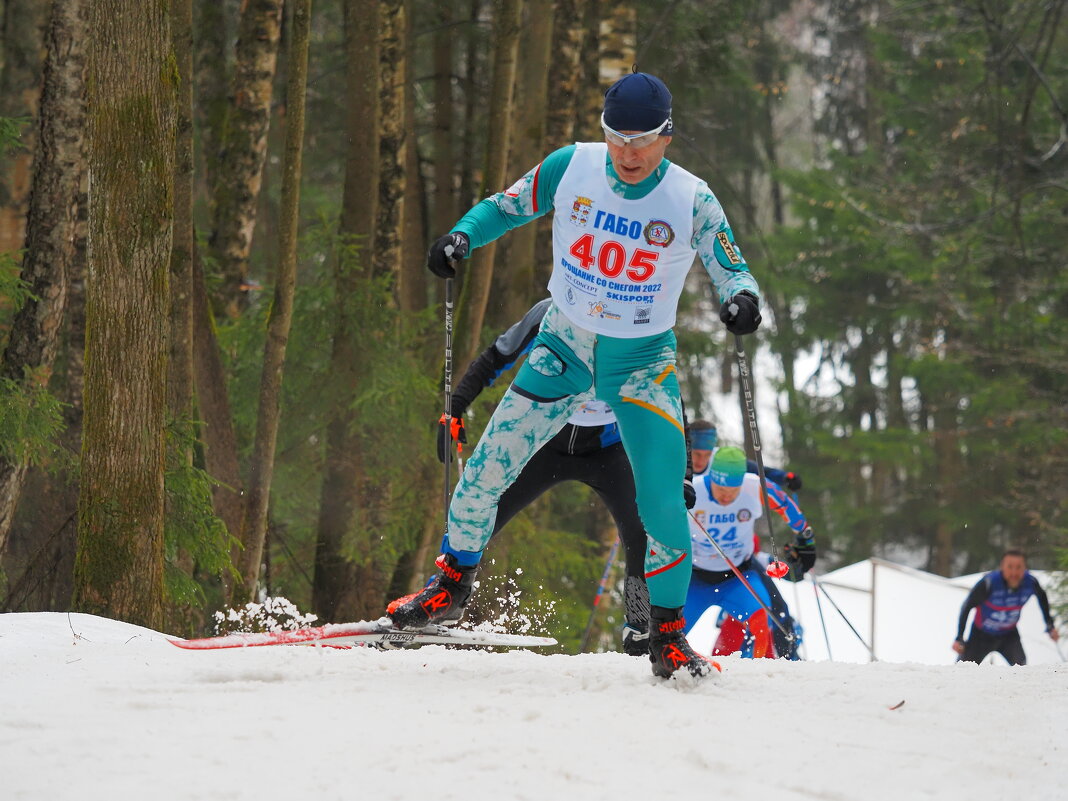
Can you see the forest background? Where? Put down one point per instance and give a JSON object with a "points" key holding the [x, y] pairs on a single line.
{"points": [[223, 354]]}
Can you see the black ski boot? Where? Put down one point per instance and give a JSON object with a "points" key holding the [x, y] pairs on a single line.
{"points": [[668, 648], [441, 601]]}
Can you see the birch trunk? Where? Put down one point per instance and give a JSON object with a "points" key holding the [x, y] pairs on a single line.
{"points": [[244, 150], [51, 223]]}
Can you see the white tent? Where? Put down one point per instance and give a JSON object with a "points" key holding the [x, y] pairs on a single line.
{"points": [[904, 614]]}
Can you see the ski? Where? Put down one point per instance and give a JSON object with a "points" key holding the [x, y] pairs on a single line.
{"points": [[377, 632]]}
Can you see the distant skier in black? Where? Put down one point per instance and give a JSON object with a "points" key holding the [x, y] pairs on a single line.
{"points": [[997, 599]]}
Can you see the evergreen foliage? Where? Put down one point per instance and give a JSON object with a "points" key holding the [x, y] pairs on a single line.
{"points": [[895, 174], [191, 529], [31, 420]]}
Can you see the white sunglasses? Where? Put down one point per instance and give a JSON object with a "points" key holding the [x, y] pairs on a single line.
{"points": [[614, 137]]}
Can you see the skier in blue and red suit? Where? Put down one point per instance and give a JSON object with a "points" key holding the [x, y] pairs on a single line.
{"points": [[727, 508], [997, 599]]}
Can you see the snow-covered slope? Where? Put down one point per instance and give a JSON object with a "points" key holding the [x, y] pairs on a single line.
{"points": [[96, 710]]}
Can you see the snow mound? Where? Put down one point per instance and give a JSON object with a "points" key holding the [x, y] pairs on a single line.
{"points": [[94, 709]]}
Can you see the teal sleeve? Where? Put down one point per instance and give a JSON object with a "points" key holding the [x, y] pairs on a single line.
{"points": [[714, 242], [527, 199]]}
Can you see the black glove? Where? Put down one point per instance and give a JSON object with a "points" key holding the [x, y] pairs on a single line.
{"points": [[801, 554], [689, 494], [793, 482], [445, 252], [741, 314], [458, 435]]}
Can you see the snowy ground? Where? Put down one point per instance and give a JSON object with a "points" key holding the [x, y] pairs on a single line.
{"points": [[93, 709]]}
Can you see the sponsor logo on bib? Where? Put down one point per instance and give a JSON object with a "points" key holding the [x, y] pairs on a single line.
{"points": [[600, 309], [744, 515]]}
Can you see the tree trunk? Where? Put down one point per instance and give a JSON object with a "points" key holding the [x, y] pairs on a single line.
{"points": [[945, 473], [332, 590], [180, 378], [590, 101], [473, 102], [412, 272], [211, 79], [20, 81], [119, 566], [619, 35], [278, 324], [245, 150], [564, 82], [389, 222], [213, 410], [564, 74], [373, 500], [50, 229], [479, 274], [520, 287], [444, 114]]}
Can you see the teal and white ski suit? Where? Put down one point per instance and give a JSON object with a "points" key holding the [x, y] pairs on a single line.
{"points": [[621, 253]]}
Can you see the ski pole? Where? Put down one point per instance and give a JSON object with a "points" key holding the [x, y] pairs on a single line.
{"points": [[597, 597], [448, 390], [789, 635], [797, 617], [777, 568], [1059, 651], [823, 622], [846, 619]]}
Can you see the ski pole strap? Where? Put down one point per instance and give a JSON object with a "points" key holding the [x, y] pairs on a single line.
{"points": [[456, 430]]}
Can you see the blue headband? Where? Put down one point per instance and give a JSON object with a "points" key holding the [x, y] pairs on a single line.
{"points": [[703, 439]]}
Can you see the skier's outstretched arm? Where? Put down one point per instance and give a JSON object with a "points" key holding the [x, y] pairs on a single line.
{"points": [[980, 592], [1043, 604]]}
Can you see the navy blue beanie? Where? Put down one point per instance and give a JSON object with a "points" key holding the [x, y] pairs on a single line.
{"points": [[638, 102]]}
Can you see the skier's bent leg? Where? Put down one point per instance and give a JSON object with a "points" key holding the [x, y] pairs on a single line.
{"points": [[547, 389], [758, 630], [731, 636], [609, 473], [649, 410], [534, 408], [637, 377]]}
